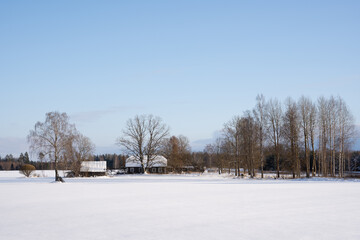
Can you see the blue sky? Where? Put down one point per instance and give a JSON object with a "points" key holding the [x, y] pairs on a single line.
{"points": [[193, 63]]}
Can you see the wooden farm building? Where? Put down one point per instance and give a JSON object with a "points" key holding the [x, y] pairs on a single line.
{"points": [[157, 165], [93, 168]]}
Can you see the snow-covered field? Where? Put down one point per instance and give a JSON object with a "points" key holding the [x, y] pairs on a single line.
{"points": [[177, 207]]}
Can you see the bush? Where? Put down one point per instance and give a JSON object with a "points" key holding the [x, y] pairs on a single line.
{"points": [[27, 169]]}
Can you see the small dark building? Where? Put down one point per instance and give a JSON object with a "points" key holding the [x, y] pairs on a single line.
{"points": [[158, 165]]}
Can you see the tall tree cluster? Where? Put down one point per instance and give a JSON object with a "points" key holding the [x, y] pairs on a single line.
{"points": [[58, 140], [299, 136], [335, 129]]}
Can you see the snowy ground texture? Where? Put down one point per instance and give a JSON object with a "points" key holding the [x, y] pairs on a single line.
{"points": [[177, 207]]}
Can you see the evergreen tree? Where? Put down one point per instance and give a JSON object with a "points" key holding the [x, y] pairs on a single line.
{"points": [[9, 158], [21, 158], [26, 158]]}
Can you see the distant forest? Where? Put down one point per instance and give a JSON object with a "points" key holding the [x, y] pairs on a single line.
{"points": [[9, 162], [199, 160]]}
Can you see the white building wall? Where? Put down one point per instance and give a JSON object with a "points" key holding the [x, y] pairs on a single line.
{"points": [[93, 166]]}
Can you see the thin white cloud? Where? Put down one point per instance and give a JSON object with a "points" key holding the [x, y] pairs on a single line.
{"points": [[91, 116]]}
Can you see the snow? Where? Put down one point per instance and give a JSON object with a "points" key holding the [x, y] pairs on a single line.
{"points": [[177, 207], [157, 161]]}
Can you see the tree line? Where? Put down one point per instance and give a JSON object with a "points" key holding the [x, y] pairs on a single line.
{"points": [[299, 136], [289, 137], [292, 137]]}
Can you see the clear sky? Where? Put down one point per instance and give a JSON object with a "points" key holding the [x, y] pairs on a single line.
{"points": [[195, 64]]}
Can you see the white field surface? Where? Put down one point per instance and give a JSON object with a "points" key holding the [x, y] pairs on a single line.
{"points": [[177, 207]]}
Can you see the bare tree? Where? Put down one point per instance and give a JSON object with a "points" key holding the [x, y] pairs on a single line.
{"points": [[134, 138], [291, 132], [157, 131], [177, 151], [184, 150], [41, 157], [232, 137], [323, 123], [336, 129], [346, 133], [142, 138], [330, 131], [261, 119], [170, 150], [84, 148], [209, 150], [51, 137], [274, 115], [305, 106], [249, 140], [220, 153], [312, 133], [332, 115], [79, 149]]}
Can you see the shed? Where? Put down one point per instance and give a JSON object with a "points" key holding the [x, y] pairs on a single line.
{"points": [[93, 168]]}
